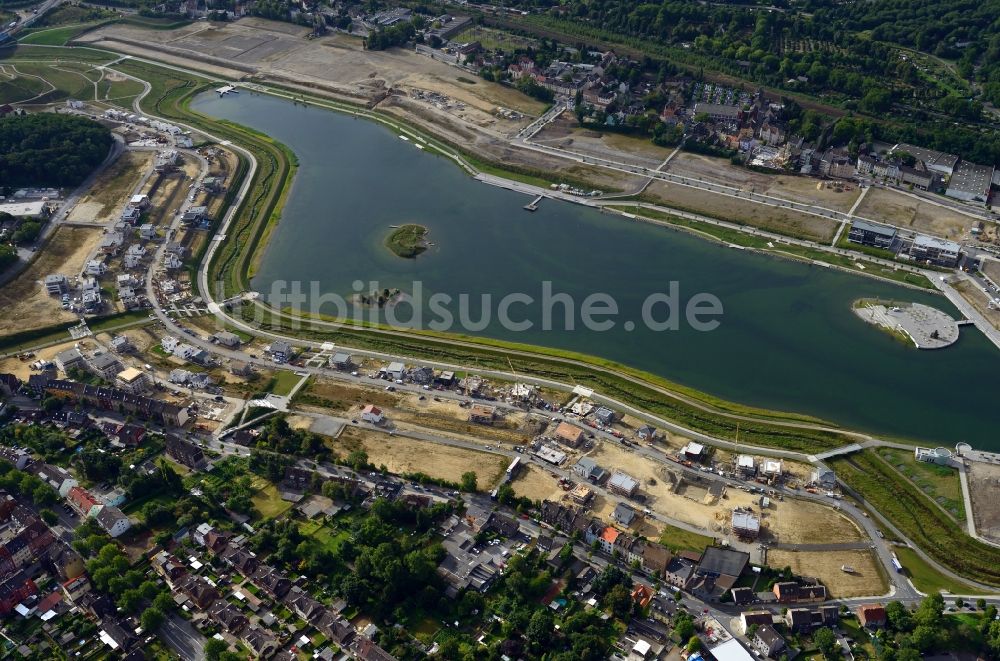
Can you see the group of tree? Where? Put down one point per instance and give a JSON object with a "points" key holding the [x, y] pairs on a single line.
{"points": [[26, 484], [911, 634], [49, 149]]}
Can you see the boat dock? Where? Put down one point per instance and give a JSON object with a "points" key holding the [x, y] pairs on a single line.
{"points": [[533, 205], [227, 89]]}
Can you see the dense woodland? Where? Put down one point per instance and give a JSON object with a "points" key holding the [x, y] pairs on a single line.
{"points": [[46, 149]]}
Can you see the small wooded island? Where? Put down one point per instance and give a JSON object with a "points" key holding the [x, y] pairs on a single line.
{"points": [[407, 241]]}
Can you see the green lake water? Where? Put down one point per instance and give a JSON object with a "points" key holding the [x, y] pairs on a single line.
{"points": [[787, 339]]}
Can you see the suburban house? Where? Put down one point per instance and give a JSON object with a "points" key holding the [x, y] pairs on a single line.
{"points": [[482, 414], [623, 484], [767, 641], [588, 469], [568, 434], [113, 521], [372, 414], [185, 452], [872, 616], [869, 234], [623, 514]]}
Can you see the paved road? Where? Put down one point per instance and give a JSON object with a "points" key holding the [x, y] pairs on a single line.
{"points": [[183, 638]]}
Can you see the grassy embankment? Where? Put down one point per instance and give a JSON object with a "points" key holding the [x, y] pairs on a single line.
{"points": [[407, 241], [925, 524], [171, 92], [745, 239]]}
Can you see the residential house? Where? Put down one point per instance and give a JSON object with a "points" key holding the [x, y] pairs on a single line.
{"points": [[655, 558], [937, 251], [105, 365], [69, 359], [623, 484], [56, 284], [872, 616], [588, 469], [228, 616], [271, 581], [623, 514], [372, 414], [227, 339], [798, 619], [56, 477], [341, 361], [85, 503], [185, 452], [568, 434], [482, 414], [113, 521], [767, 641]]}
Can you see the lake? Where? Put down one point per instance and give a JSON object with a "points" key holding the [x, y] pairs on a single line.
{"points": [[787, 338]]}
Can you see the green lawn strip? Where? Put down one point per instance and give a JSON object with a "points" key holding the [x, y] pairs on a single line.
{"points": [[748, 240], [284, 381], [59, 36], [927, 579], [941, 483], [269, 503], [917, 518], [677, 539]]}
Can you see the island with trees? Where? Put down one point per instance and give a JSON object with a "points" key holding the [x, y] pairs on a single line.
{"points": [[407, 241]]}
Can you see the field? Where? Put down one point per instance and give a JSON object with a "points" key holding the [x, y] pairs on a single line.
{"points": [[867, 580], [112, 189], [402, 455], [804, 522], [534, 483], [940, 483], [25, 302], [714, 205], [917, 517], [895, 208], [269, 503], [984, 485], [806, 190], [62, 81], [493, 39], [284, 381], [15, 87], [678, 539]]}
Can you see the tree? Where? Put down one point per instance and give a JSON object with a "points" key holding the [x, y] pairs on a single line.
{"points": [[469, 481], [683, 627], [49, 517], [826, 643], [152, 618], [693, 644], [619, 602], [898, 617], [49, 149], [214, 649], [981, 603], [540, 628]]}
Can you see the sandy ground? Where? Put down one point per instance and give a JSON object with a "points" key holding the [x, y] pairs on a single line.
{"points": [[565, 133], [657, 483], [984, 485], [785, 221], [866, 580], [895, 208], [24, 301], [977, 298], [536, 484], [836, 195], [112, 189], [839, 196], [22, 370], [404, 455], [719, 171], [803, 522], [991, 268]]}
